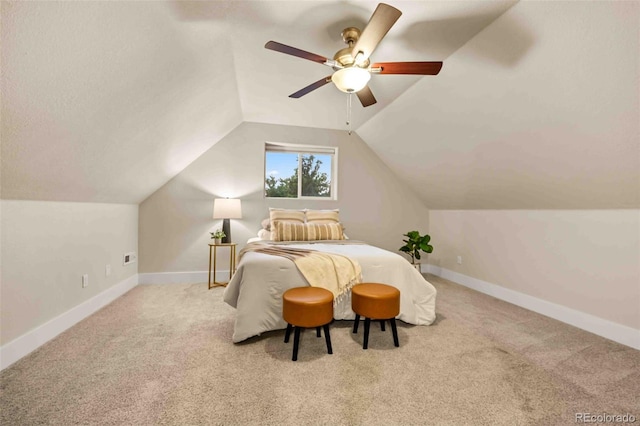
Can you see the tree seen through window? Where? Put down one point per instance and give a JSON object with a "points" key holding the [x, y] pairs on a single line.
{"points": [[313, 170]]}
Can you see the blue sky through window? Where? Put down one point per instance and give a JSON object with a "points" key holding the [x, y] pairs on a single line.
{"points": [[282, 164]]}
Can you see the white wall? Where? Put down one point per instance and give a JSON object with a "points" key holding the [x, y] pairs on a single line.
{"points": [[46, 247], [175, 221], [585, 260]]}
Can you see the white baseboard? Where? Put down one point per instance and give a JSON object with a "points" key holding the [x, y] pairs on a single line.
{"points": [[27, 343], [617, 332], [180, 277], [30, 341]]}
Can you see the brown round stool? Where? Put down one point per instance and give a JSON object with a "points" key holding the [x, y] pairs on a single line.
{"points": [[378, 302], [305, 307]]}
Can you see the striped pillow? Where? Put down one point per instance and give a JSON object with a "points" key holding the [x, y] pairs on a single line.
{"points": [[323, 216], [293, 231], [285, 215]]}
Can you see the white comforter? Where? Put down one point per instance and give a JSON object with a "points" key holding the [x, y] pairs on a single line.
{"points": [[257, 286]]}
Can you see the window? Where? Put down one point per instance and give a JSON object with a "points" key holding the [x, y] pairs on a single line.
{"points": [[299, 171]]}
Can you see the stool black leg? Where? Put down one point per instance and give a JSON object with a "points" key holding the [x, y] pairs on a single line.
{"points": [[355, 324], [367, 323], [296, 342], [327, 337], [382, 325], [394, 330], [288, 333], [317, 331]]}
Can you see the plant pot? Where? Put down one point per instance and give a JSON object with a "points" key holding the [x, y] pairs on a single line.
{"points": [[217, 241]]}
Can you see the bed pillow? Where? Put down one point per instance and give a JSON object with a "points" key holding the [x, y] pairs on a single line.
{"points": [[323, 216], [263, 234], [266, 224], [294, 231], [285, 215]]}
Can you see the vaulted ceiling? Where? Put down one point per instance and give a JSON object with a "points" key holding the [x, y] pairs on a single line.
{"points": [[106, 101]]}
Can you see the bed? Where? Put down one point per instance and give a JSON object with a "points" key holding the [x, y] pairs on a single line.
{"points": [[260, 280]]}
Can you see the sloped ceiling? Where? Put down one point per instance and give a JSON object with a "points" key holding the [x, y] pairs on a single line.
{"points": [[106, 101], [536, 106], [539, 111]]}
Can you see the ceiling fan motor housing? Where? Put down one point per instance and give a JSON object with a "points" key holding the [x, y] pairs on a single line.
{"points": [[350, 36]]}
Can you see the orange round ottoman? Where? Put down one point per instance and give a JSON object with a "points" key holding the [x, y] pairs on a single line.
{"points": [[378, 302], [305, 307]]}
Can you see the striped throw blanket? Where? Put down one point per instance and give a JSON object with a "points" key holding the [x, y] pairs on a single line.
{"points": [[334, 272]]}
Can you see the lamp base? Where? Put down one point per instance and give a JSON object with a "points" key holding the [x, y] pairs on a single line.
{"points": [[226, 228]]}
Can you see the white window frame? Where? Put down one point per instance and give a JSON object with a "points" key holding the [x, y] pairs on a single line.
{"points": [[303, 150]]}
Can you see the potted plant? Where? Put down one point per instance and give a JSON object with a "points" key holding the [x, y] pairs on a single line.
{"points": [[217, 236], [414, 244]]}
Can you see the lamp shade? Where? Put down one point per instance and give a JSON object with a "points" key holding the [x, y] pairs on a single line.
{"points": [[227, 208], [350, 80]]}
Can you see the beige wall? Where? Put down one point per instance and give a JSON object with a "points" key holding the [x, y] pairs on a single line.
{"points": [[46, 247], [174, 222], [587, 260]]}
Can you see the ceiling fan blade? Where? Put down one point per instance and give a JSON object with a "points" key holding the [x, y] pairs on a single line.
{"points": [[311, 87], [421, 68], [366, 97], [380, 23], [283, 48]]}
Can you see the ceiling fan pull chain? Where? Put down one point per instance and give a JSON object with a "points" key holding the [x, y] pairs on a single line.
{"points": [[349, 112]]}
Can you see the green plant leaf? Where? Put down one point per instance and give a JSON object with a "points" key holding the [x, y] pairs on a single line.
{"points": [[416, 243]]}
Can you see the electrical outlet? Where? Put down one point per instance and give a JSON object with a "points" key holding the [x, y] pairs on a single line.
{"points": [[459, 260], [107, 270], [85, 280], [128, 258]]}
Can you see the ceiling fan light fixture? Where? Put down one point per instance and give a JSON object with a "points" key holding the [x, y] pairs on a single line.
{"points": [[351, 79]]}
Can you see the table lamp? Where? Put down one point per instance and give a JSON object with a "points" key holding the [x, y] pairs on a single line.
{"points": [[225, 209]]}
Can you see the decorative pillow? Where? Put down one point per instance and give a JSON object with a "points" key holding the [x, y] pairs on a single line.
{"points": [[285, 215], [263, 234], [266, 224], [323, 216], [294, 231]]}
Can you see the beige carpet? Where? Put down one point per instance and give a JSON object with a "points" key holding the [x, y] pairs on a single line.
{"points": [[163, 355]]}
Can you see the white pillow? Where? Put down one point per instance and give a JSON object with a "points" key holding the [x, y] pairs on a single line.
{"points": [[263, 234]]}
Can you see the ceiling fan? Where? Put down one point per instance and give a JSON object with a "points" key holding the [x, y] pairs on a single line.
{"points": [[352, 67]]}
